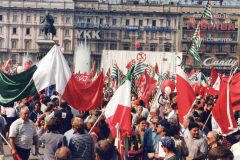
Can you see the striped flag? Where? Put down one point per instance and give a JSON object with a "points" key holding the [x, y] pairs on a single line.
{"points": [[148, 69], [208, 12], [194, 53], [197, 38], [133, 84], [139, 69], [114, 71], [165, 76], [13, 69]]}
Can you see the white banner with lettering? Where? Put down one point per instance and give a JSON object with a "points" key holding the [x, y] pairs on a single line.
{"points": [[122, 58]]}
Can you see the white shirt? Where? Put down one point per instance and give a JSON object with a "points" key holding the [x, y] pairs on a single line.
{"points": [[170, 114], [23, 132], [145, 112], [10, 112], [74, 112]]}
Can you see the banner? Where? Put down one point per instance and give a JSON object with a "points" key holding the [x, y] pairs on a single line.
{"points": [[164, 60], [82, 78], [146, 88]]}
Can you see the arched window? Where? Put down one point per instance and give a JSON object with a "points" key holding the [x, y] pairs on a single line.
{"points": [[14, 44], [66, 46]]}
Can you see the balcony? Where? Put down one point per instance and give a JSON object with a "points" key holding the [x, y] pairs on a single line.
{"points": [[221, 53]]}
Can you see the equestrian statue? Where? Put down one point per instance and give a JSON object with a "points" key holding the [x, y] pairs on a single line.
{"points": [[48, 26]]}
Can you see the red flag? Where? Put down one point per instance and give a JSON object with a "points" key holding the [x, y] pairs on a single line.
{"points": [[92, 72], [185, 93], [214, 76], [85, 97], [223, 112], [129, 65], [156, 68], [191, 73], [81, 78], [7, 66], [235, 79], [146, 88]]}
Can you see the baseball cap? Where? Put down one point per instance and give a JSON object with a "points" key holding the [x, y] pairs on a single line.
{"points": [[164, 123]]}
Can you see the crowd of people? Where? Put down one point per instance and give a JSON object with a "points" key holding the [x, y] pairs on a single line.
{"points": [[66, 133]]}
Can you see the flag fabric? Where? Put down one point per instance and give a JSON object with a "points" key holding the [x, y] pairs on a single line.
{"points": [[50, 90], [92, 72], [216, 85], [194, 52], [146, 88], [223, 112], [192, 72], [193, 78], [207, 11], [214, 76], [95, 77], [202, 79], [197, 38], [148, 69], [7, 66], [120, 146], [186, 96], [13, 69], [235, 80], [139, 69], [114, 71], [129, 65], [40, 76], [118, 109], [133, 84]]}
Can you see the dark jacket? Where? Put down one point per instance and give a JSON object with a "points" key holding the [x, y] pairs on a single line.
{"points": [[65, 117]]}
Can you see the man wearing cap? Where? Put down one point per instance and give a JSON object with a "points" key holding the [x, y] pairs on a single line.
{"points": [[197, 147], [150, 139], [162, 128]]}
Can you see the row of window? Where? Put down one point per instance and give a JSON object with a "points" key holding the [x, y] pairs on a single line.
{"points": [[127, 21], [140, 35], [209, 35], [28, 43], [209, 48], [28, 18]]}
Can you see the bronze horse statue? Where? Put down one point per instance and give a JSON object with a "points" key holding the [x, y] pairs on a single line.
{"points": [[48, 26]]}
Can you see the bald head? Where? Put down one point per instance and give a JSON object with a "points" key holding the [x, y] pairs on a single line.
{"points": [[63, 153]]}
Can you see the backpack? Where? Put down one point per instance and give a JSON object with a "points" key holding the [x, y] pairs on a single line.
{"points": [[135, 151]]}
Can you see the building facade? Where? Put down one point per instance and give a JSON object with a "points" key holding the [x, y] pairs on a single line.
{"points": [[162, 25]]}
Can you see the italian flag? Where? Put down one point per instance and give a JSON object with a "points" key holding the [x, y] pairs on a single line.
{"points": [[52, 69], [118, 109]]}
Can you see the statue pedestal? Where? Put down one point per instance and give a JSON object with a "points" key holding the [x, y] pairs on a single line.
{"points": [[44, 46]]}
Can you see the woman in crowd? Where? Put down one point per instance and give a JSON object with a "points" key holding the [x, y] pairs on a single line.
{"points": [[141, 126], [53, 140], [180, 145], [212, 140], [81, 144], [168, 146]]}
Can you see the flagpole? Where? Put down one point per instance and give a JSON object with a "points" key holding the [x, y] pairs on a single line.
{"points": [[206, 120], [97, 121]]}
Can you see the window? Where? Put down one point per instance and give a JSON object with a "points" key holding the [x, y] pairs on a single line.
{"points": [[14, 44], [41, 32], [0, 46], [0, 30], [1, 17], [67, 32], [233, 36], [14, 58], [220, 35], [168, 22], [113, 46], [67, 19], [232, 49], [175, 22], [27, 44], [208, 48], [66, 46], [55, 19], [153, 22], [89, 20], [27, 31], [28, 18], [101, 21], [126, 47], [41, 19], [154, 35], [140, 22], [100, 47], [126, 34], [168, 35], [209, 35], [184, 47], [14, 18], [127, 22], [140, 34], [14, 31], [167, 48], [141, 47], [220, 47], [152, 47], [185, 35], [114, 21]]}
